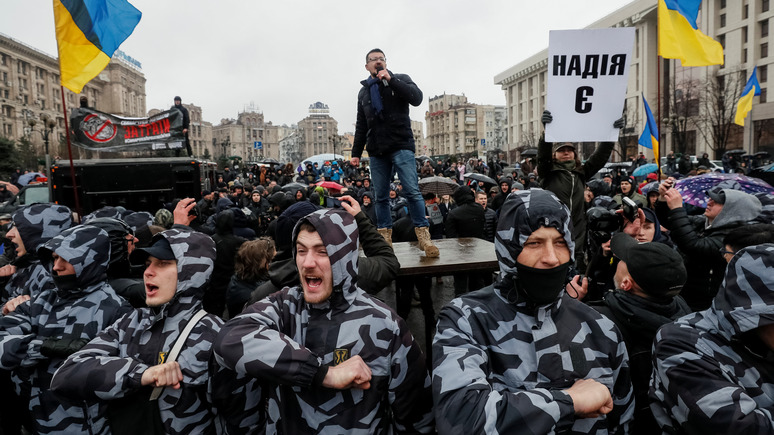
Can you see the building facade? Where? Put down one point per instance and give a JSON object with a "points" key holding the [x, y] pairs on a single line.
{"points": [[456, 126], [695, 103], [318, 132], [418, 130], [30, 91]]}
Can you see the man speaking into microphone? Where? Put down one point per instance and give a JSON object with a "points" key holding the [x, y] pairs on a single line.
{"points": [[383, 128]]}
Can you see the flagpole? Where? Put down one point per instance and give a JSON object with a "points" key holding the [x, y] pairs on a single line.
{"points": [[752, 124], [658, 111], [70, 155]]}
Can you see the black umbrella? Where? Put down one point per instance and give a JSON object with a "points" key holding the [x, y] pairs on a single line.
{"points": [[293, 187], [529, 152], [269, 161], [731, 152], [438, 185], [762, 154], [480, 177]]}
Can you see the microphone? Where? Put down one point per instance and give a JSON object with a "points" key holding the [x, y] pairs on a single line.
{"points": [[384, 81]]}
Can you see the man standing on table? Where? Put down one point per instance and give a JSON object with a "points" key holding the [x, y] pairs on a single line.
{"points": [[383, 128]]}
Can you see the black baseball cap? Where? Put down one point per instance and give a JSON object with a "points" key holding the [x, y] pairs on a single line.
{"points": [[160, 249], [655, 267]]}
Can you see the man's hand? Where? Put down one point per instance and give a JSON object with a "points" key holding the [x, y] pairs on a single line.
{"points": [[664, 186], [633, 228], [619, 123], [546, 118], [182, 210], [355, 161], [578, 289], [673, 199], [163, 375], [350, 204], [590, 398], [352, 373], [7, 270], [11, 305], [383, 75], [606, 251]]}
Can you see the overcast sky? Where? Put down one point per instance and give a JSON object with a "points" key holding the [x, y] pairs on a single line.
{"points": [[284, 55]]}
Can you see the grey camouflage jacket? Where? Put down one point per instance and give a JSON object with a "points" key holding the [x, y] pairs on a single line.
{"points": [[36, 224], [78, 313], [500, 366], [111, 365], [284, 342], [711, 373]]}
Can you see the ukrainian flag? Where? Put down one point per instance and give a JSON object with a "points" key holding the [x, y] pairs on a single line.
{"points": [[88, 32], [744, 105], [649, 136], [680, 38]]}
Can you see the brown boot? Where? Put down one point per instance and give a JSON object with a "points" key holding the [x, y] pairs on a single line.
{"points": [[425, 244], [387, 234]]}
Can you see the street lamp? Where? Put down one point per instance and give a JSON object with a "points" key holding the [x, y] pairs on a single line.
{"points": [[48, 128]]}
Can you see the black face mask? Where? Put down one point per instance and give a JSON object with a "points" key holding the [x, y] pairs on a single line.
{"points": [[65, 282], [541, 286]]}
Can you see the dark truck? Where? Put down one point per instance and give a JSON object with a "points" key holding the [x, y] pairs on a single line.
{"points": [[138, 184]]}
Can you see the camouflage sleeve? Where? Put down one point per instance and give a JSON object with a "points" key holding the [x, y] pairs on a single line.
{"points": [[19, 343], [410, 395], [252, 344], [619, 419], [465, 401], [690, 388], [98, 371]]}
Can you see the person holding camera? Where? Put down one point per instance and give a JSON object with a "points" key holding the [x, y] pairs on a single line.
{"points": [[561, 171], [700, 238]]}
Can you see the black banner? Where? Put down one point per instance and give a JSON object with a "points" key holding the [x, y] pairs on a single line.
{"points": [[98, 131]]}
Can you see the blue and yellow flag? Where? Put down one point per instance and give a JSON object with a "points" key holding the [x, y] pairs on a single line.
{"points": [[649, 136], [744, 105], [680, 38], [88, 32]]}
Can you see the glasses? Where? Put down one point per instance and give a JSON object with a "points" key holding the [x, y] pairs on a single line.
{"points": [[724, 252], [376, 59]]}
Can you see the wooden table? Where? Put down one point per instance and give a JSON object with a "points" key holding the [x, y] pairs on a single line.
{"points": [[457, 255]]}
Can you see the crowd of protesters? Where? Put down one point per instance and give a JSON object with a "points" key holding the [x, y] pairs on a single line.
{"points": [[251, 309]]}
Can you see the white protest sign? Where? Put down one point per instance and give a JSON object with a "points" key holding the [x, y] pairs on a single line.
{"points": [[587, 75]]}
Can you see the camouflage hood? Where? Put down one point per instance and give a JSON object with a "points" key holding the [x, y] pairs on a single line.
{"points": [[86, 247], [522, 213], [195, 254], [38, 223], [745, 300], [338, 231]]}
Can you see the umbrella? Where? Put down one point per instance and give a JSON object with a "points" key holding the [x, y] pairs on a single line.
{"points": [[761, 154], [322, 158], [293, 187], [693, 189], [480, 177], [438, 185], [11, 188], [28, 177], [618, 165], [648, 187], [529, 152], [269, 161], [730, 152], [512, 169], [645, 169], [332, 185]]}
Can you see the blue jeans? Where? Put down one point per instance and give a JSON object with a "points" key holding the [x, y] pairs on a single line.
{"points": [[382, 169]]}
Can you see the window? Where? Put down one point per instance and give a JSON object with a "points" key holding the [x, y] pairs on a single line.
{"points": [[764, 28], [4, 76], [722, 40], [744, 55], [745, 12], [744, 34], [763, 73], [765, 49], [762, 96], [764, 5], [722, 4], [722, 20], [3, 59]]}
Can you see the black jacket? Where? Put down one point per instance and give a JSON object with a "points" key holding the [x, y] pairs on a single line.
{"points": [[467, 219], [391, 130]]}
